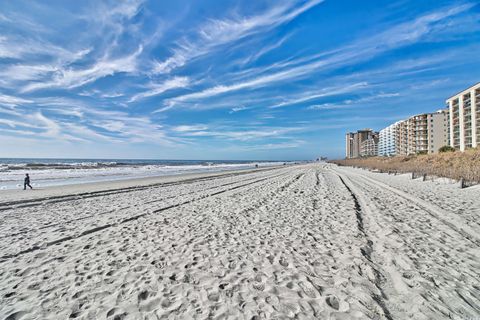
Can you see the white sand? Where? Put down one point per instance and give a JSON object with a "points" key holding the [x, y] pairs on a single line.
{"points": [[304, 242]]}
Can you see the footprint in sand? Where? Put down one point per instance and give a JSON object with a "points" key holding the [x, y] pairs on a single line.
{"points": [[232, 265], [165, 303], [333, 302], [16, 315], [222, 286], [259, 286], [283, 262], [115, 313], [143, 295], [214, 296]]}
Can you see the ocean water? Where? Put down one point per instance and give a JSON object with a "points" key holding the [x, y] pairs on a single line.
{"points": [[55, 172]]}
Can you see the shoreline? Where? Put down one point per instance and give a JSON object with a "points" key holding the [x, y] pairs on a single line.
{"points": [[51, 175], [14, 195]]}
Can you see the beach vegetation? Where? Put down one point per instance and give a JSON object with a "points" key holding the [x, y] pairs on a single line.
{"points": [[452, 164]]}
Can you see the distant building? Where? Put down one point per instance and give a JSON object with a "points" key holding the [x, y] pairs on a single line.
{"points": [[387, 141], [401, 137], [369, 147], [349, 141], [354, 140], [457, 126], [439, 130], [464, 118]]}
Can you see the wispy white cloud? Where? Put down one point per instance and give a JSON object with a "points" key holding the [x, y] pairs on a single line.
{"points": [[100, 94], [226, 30], [364, 49], [38, 125], [11, 101], [326, 92], [272, 146], [44, 63], [86, 134], [415, 30], [3, 18], [218, 32], [352, 102], [52, 129], [156, 89], [72, 78], [254, 57], [112, 95], [125, 10], [190, 128], [19, 47], [237, 109], [245, 134], [11, 123], [66, 119]]}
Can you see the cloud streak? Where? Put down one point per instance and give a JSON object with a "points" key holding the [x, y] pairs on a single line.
{"points": [[72, 78], [219, 32], [157, 89], [395, 37]]}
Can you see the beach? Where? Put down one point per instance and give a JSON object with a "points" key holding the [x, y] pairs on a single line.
{"points": [[311, 241]]}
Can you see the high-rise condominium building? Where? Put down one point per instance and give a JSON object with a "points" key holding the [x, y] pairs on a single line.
{"points": [[423, 133], [387, 141], [369, 147], [401, 137], [464, 118], [430, 131], [349, 141], [354, 140]]}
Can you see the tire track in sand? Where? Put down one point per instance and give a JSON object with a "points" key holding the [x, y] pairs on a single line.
{"points": [[429, 208], [430, 278], [367, 251]]}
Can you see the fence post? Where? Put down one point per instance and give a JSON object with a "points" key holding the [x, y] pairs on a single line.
{"points": [[424, 177], [413, 175], [462, 183]]}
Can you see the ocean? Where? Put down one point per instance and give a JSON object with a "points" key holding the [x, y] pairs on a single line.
{"points": [[56, 172]]}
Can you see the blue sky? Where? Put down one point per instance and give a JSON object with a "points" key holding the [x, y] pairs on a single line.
{"points": [[223, 79]]}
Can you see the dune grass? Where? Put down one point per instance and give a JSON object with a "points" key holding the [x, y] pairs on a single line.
{"points": [[454, 165]]}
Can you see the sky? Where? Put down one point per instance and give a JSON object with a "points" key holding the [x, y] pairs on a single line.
{"points": [[259, 80]]}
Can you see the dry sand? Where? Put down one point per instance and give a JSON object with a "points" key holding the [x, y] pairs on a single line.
{"points": [[303, 242]]}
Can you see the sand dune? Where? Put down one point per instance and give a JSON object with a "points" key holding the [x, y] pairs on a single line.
{"points": [[303, 242]]}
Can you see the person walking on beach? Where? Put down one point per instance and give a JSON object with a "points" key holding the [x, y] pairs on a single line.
{"points": [[26, 182]]}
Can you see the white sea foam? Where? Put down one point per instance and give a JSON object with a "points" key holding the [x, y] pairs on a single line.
{"points": [[85, 172]]}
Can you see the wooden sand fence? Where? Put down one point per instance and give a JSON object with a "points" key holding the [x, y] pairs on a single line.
{"points": [[463, 167]]}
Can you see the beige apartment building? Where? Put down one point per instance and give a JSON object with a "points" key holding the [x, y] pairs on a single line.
{"points": [[401, 138], [422, 133], [355, 146], [369, 147], [464, 118]]}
